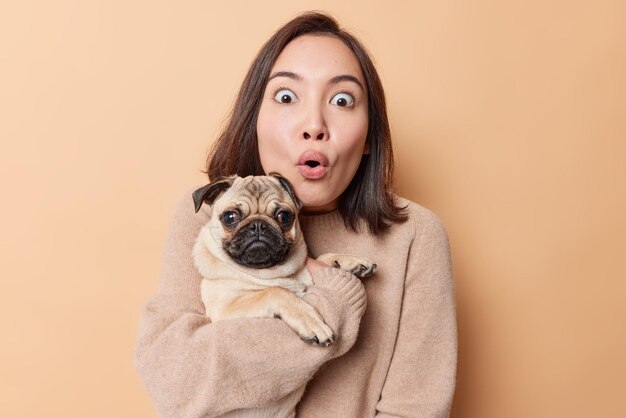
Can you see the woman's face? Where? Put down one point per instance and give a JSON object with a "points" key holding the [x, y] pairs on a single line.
{"points": [[313, 120]]}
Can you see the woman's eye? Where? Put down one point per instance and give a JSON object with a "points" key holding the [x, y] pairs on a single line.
{"points": [[342, 100], [284, 217], [230, 218], [285, 96]]}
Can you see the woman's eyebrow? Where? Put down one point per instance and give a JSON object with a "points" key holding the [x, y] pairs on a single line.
{"points": [[335, 80], [346, 77], [287, 74]]}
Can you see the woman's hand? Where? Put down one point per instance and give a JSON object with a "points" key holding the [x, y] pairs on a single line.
{"points": [[314, 266]]}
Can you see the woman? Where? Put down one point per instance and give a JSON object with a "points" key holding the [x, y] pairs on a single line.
{"points": [[312, 108]]}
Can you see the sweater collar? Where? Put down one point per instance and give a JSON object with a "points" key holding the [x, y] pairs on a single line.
{"points": [[332, 221]]}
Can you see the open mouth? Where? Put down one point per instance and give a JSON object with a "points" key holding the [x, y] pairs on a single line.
{"points": [[313, 159], [312, 165]]}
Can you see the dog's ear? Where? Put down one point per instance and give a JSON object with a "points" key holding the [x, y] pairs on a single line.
{"points": [[211, 191], [288, 188]]}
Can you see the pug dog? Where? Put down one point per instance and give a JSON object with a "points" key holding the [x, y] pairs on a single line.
{"points": [[252, 257]]}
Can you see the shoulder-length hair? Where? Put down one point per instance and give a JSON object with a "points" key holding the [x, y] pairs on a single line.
{"points": [[369, 196]]}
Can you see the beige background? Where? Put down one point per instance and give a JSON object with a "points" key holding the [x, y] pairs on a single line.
{"points": [[508, 120]]}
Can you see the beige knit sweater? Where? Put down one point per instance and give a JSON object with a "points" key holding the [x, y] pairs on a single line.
{"points": [[395, 358]]}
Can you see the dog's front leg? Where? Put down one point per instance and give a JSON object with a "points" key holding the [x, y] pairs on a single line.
{"points": [[276, 302]]}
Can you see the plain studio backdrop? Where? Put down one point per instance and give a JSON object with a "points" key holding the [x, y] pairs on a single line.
{"points": [[508, 121]]}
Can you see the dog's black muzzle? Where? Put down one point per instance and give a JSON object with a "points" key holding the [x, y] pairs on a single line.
{"points": [[258, 245]]}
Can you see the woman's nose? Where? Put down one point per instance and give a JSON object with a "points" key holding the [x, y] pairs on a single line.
{"points": [[315, 126], [307, 135]]}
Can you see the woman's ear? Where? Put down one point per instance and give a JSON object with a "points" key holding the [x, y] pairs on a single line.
{"points": [[366, 150]]}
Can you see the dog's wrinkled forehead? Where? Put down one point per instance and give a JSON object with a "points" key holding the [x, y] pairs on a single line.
{"points": [[254, 194]]}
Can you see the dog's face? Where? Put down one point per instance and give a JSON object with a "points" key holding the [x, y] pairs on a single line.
{"points": [[253, 220]]}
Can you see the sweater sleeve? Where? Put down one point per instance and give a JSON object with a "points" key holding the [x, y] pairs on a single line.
{"points": [[194, 368], [422, 373]]}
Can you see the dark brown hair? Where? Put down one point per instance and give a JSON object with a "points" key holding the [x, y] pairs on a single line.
{"points": [[369, 196]]}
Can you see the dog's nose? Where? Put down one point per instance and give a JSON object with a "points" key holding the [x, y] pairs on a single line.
{"points": [[257, 227]]}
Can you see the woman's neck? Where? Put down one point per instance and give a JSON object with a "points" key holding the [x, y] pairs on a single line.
{"points": [[319, 210]]}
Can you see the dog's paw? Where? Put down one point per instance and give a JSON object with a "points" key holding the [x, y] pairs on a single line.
{"points": [[315, 341], [359, 266], [309, 325], [363, 269]]}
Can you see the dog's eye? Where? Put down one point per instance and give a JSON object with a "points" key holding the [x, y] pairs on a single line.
{"points": [[230, 218], [284, 217]]}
